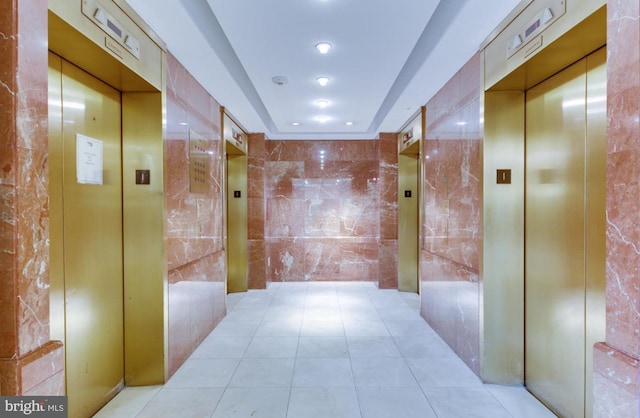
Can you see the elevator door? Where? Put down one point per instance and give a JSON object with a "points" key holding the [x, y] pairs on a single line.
{"points": [[565, 234], [237, 221], [87, 233]]}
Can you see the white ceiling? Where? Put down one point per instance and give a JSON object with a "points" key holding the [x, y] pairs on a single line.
{"points": [[389, 57]]}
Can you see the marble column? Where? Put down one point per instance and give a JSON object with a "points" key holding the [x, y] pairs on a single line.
{"points": [[388, 246], [256, 211], [30, 364], [616, 370]]}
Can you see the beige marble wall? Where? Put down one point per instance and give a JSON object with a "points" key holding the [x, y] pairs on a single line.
{"points": [[29, 362], [194, 221], [616, 371], [451, 224]]}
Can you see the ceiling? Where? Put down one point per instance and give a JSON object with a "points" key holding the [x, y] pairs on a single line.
{"points": [[388, 57]]}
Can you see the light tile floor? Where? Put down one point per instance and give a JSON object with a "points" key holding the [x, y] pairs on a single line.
{"points": [[324, 350]]}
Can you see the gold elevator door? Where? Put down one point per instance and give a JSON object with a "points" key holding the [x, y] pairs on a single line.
{"points": [[565, 234], [86, 235]]}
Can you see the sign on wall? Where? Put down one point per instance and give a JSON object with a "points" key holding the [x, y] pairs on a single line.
{"points": [[88, 160], [199, 167]]}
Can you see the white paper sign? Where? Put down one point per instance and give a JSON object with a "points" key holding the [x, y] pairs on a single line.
{"points": [[88, 160]]}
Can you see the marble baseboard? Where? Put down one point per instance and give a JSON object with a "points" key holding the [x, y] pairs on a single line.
{"points": [[615, 383], [40, 372]]}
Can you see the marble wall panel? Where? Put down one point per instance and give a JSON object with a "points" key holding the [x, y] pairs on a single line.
{"points": [[283, 179], [322, 259], [256, 186], [388, 186], [388, 220], [29, 361], [449, 303], [452, 200], [195, 303], [616, 371], [285, 259], [615, 383], [388, 264], [257, 264], [286, 217], [324, 196], [194, 221], [451, 216], [8, 301], [256, 213]]}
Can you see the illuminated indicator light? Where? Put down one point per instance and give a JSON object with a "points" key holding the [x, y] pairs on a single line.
{"points": [[532, 28]]}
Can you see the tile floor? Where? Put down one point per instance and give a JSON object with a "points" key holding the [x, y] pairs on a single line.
{"points": [[324, 350]]}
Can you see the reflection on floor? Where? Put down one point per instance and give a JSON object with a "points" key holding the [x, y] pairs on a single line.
{"points": [[324, 350]]}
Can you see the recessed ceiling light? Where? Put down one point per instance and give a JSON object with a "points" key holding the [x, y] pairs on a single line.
{"points": [[295, 123], [323, 47], [322, 103], [323, 118], [461, 123], [323, 81]]}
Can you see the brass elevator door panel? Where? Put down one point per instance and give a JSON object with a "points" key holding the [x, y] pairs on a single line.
{"points": [[92, 245], [564, 222], [237, 223]]}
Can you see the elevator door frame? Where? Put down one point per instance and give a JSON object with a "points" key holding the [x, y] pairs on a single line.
{"points": [[502, 263], [237, 222], [144, 257], [409, 219]]}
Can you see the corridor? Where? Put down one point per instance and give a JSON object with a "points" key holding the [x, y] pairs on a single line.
{"points": [[324, 350]]}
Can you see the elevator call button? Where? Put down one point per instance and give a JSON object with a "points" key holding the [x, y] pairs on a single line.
{"points": [[503, 176], [143, 176]]}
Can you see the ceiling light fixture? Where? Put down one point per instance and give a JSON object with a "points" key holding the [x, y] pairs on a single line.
{"points": [[295, 123], [349, 123], [323, 81], [323, 47], [323, 119], [280, 80], [322, 103]]}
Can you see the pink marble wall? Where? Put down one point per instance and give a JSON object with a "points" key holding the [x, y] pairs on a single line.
{"points": [[451, 224], [388, 186], [322, 210], [616, 362], [194, 221], [256, 211], [29, 362]]}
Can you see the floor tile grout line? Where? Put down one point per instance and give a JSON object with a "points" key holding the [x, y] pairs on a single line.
{"points": [[353, 374], [295, 360], [149, 401]]}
